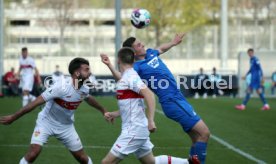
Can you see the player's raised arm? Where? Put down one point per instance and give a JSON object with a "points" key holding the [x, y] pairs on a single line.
{"points": [[6, 120], [176, 40], [94, 103], [150, 100], [116, 74]]}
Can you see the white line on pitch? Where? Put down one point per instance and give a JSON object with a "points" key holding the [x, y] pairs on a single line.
{"points": [[229, 146]]}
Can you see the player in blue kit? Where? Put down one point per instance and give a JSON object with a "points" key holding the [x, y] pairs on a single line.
{"points": [[161, 81], [255, 83]]}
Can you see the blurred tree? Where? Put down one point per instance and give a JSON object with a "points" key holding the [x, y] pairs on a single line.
{"points": [[63, 12], [102, 3]]}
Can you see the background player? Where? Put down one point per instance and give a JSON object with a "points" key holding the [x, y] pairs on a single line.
{"points": [[134, 137], [57, 75], [57, 117], [26, 71], [273, 84], [152, 69], [199, 80], [257, 79]]}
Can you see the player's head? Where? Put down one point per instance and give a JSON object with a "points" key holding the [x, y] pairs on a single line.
{"points": [[79, 68], [250, 52], [201, 70], [126, 56], [137, 45], [24, 52], [214, 70]]}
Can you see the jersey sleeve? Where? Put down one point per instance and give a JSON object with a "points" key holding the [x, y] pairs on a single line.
{"points": [[86, 92], [135, 83], [52, 92], [150, 53]]}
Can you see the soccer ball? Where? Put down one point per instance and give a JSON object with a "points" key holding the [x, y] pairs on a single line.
{"points": [[140, 18]]}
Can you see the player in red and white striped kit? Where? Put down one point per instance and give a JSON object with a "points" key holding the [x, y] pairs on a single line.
{"points": [[26, 70], [57, 117], [136, 126]]}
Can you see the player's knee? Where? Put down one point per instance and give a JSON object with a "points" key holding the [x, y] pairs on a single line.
{"points": [[204, 135], [207, 134], [149, 161]]}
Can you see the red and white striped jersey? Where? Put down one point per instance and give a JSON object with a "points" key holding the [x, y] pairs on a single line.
{"points": [[131, 104], [62, 100], [27, 66]]}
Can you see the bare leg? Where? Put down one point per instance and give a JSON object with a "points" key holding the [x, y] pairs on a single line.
{"points": [[148, 159], [81, 157], [111, 159], [199, 136], [33, 153]]}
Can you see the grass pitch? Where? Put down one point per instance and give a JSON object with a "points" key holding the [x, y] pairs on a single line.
{"points": [[251, 131]]}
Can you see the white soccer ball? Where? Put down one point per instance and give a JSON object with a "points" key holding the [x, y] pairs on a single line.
{"points": [[140, 18]]}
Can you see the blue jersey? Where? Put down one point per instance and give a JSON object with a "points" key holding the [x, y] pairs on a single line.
{"points": [[157, 76], [255, 70]]}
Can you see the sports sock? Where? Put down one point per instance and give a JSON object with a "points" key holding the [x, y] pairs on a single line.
{"points": [[32, 97], [200, 151], [23, 161], [25, 100], [89, 161], [192, 150], [263, 98], [246, 99], [165, 159]]}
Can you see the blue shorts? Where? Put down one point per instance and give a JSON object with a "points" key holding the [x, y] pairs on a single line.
{"points": [[180, 111], [255, 85], [255, 82]]}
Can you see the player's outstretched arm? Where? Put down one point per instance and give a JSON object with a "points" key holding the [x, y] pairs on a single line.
{"points": [[150, 100], [94, 103], [6, 120], [116, 74], [176, 40], [110, 116]]}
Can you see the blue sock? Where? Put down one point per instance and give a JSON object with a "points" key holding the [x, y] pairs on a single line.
{"points": [[263, 98], [192, 151], [200, 151], [246, 99]]}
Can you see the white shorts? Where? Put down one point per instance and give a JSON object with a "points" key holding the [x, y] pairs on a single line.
{"points": [[66, 134], [27, 82], [126, 145]]}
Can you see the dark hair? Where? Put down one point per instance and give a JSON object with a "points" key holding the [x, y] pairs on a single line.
{"points": [[76, 64], [250, 49], [129, 41], [24, 49], [126, 55]]}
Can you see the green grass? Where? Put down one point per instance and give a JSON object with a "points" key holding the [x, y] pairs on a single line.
{"points": [[252, 131]]}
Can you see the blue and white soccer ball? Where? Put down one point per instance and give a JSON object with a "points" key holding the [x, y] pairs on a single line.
{"points": [[140, 18]]}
